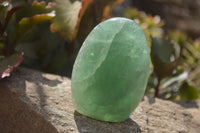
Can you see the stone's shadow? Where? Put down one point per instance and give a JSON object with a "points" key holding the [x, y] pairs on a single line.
{"points": [[18, 79], [49, 82], [151, 100], [187, 104], [89, 125], [38, 79], [18, 117]]}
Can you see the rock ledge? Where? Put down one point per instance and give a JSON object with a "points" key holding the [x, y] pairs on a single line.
{"points": [[32, 101]]}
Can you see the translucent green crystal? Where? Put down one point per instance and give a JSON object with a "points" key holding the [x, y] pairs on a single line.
{"points": [[111, 71]]}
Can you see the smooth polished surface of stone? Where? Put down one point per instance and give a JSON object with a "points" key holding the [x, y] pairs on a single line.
{"points": [[111, 71]]}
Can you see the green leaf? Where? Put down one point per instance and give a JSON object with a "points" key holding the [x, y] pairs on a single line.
{"points": [[39, 46], [27, 24], [36, 8], [161, 52], [27, 10], [9, 64], [1, 48], [30, 10], [188, 92], [41, 7], [163, 48], [68, 16]]}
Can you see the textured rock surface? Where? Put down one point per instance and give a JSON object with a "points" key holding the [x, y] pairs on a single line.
{"points": [[32, 101]]}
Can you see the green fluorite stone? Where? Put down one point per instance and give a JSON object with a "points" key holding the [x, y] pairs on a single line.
{"points": [[111, 71]]}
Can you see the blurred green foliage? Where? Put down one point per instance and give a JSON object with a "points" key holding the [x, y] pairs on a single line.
{"points": [[175, 58], [50, 33]]}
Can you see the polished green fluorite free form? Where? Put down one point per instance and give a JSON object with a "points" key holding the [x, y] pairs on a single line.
{"points": [[111, 71]]}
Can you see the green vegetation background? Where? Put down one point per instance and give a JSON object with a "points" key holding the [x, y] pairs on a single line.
{"points": [[50, 33]]}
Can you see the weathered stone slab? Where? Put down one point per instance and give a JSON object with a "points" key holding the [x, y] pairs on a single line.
{"points": [[31, 101]]}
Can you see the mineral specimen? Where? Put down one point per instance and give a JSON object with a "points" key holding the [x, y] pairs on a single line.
{"points": [[111, 71]]}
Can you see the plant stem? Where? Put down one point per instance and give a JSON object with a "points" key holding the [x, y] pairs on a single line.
{"points": [[157, 89]]}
